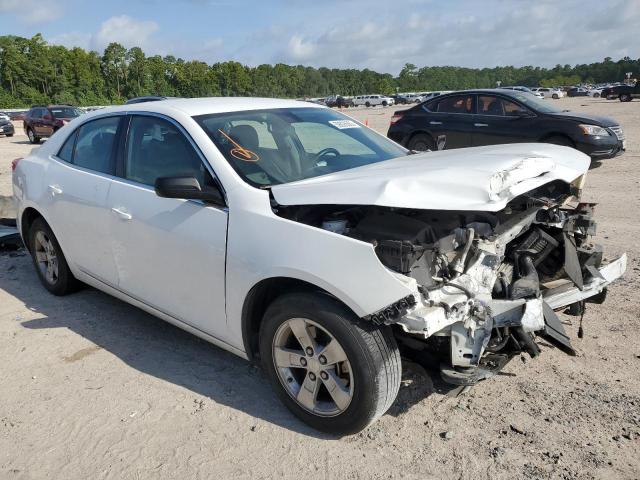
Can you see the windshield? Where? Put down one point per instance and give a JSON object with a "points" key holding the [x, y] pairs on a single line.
{"points": [[535, 103], [270, 147], [65, 112]]}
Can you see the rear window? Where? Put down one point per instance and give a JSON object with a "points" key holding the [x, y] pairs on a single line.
{"points": [[454, 104], [65, 112]]}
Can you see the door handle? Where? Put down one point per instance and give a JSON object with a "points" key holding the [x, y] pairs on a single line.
{"points": [[55, 190], [435, 123], [122, 213], [481, 124]]}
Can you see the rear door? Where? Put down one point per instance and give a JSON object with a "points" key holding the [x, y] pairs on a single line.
{"points": [[500, 120], [78, 179], [451, 119], [170, 253]]}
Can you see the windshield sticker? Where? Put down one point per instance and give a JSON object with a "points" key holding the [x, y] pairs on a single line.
{"points": [[344, 124], [239, 152]]}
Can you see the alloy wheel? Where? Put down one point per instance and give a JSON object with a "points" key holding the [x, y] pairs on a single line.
{"points": [[46, 257], [313, 367]]}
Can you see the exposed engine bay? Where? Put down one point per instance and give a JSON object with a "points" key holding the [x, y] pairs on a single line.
{"points": [[486, 283]]}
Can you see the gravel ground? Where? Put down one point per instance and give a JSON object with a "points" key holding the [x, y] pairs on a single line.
{"points": [[91, 387]]}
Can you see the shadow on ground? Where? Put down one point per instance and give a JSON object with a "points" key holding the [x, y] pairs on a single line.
{"points": [[157, 348]]}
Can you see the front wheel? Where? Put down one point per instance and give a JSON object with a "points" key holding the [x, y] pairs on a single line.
{"points": [[625, 97], [555, 96], [334, 371], [596, 95], [367, 104], [559, 140], [384, 103]]}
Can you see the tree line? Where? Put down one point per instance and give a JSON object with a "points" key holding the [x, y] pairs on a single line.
{"points": [[32, 72]]}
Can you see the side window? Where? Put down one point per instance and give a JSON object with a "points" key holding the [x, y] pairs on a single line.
{"points": [[456, 104], [512, 109], [66, 152], [489, 105], [156, 148], [95, 145]]}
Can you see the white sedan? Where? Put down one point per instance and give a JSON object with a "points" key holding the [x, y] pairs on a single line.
{"points": [[288, 233]]}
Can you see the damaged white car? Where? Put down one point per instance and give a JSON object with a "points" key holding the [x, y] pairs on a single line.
{"points": [[289, 233]]}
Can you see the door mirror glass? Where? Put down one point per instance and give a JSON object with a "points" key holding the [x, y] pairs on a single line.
{"points": [[188, 188]]}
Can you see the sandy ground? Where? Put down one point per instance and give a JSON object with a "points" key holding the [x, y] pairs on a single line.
{"points": [[93, 388]]}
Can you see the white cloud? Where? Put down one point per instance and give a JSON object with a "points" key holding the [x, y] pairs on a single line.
{"points": [[125, 30], [32, 11], [500, 32]]}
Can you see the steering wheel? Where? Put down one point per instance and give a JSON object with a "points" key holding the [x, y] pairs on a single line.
{"points": [[327, 151]]}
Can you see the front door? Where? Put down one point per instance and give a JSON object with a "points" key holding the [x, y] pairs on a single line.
{"points": [[499, 120], [451, 121], [169, 253]]}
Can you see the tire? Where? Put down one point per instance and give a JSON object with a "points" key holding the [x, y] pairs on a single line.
{"points": [[32, 136], [9, 135], [555, 96], [63, 282], [596, 95], [559, 140], [421, 142], [625, 97], [369, 378], [367, 104], [384, 103]]}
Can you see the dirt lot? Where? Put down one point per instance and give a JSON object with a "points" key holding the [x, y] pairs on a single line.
{"points": [[93, 388]]}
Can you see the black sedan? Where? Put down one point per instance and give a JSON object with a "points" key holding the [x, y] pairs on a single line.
{"points": [[6, 127], [489, 117]]}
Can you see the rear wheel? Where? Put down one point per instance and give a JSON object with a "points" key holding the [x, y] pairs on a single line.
{"points": [[9, 134], [384, 103], [49, 260], [32, 136], [421, 142], [625, 97], [596, 95], [367, 104], [334, 371], [555, 96]]}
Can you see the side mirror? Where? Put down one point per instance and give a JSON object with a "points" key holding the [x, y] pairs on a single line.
{"points": [[188, 188]]}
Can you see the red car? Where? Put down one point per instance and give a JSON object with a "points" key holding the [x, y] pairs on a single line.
{"points": [[42, 121]]}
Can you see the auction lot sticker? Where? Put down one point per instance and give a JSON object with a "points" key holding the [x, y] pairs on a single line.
{"points": [[344, 124]]}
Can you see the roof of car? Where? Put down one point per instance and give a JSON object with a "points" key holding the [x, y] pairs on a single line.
{"points": [[203, 106]]}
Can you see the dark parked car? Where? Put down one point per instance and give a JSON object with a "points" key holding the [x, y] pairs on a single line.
{"points": [[338, 101], [42, 121], [625, 93], [6, 127], [489, 117], [577, 92]]}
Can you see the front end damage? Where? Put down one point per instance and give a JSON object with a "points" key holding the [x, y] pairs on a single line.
{"points": [[485, 284]]}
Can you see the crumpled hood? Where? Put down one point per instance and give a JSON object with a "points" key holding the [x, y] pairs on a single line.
{"points": [[480, 178]]}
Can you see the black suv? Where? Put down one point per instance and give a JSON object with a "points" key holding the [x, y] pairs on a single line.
{"points": [[489, 117], [42, 121]]}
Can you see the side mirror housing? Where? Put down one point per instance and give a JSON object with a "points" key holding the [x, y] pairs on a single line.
{"points": [[188, 188]]}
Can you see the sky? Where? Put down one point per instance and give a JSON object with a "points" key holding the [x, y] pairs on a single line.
{"points": [[380, 35]]}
